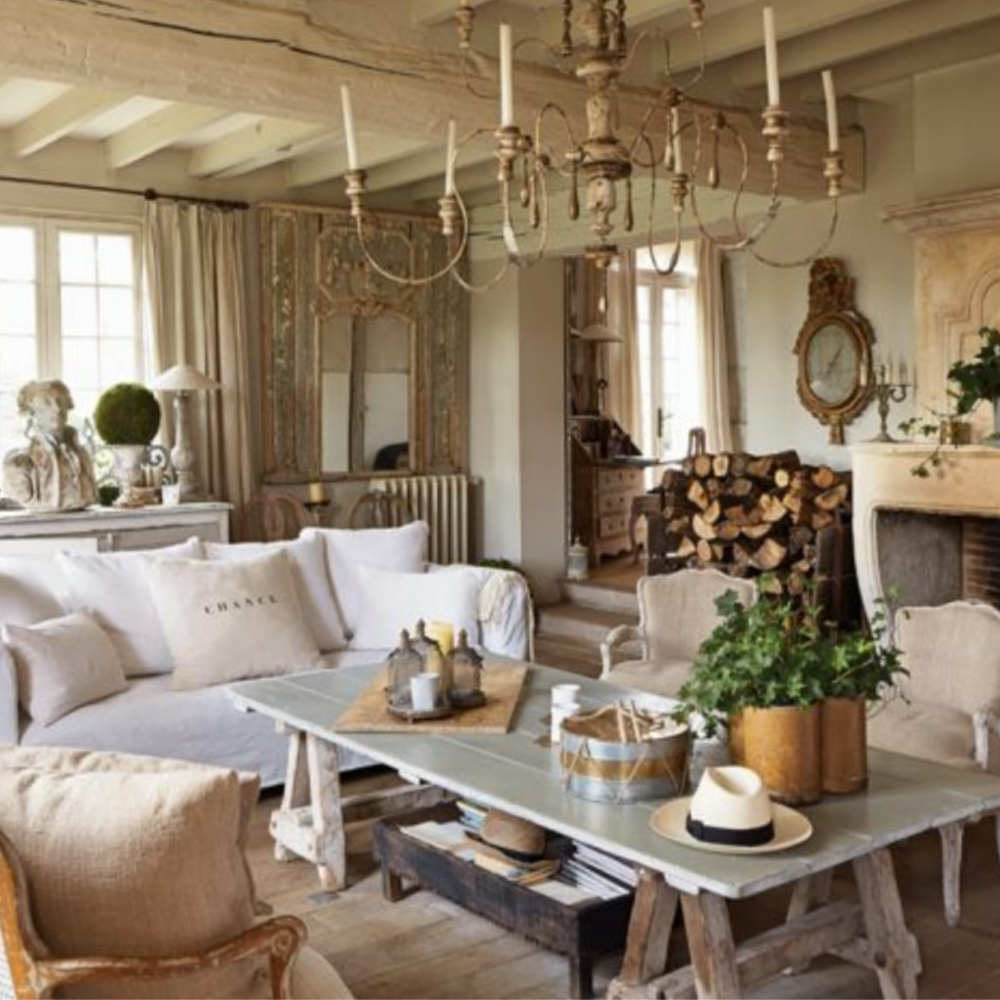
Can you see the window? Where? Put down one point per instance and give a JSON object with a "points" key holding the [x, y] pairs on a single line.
{"points": [[670, 395], [69, 308]]}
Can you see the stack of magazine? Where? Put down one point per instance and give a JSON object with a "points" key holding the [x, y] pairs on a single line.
{"points": [[596, 873]]}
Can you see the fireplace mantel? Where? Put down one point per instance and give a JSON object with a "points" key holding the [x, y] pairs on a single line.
{"points": [[975, 210], [967, 483]]}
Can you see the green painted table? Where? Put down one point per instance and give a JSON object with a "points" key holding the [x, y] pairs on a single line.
{"points": [[516, 773]]}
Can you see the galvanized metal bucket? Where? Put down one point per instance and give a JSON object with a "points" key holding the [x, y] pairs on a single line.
{"points": [[614, 755]]}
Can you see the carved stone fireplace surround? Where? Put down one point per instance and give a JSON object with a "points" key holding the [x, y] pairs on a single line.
{"points": [[958, 291]]}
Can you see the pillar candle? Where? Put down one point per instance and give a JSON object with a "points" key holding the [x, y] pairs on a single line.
{"points": [[771, 59], [317, 493], [443, 633], [349, 135], [832, 125]]}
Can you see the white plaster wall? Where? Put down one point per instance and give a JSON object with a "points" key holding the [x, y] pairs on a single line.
{"points": [[771, 304]]}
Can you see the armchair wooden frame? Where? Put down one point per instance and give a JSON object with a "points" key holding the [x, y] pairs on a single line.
{"points": [[35, 973]]}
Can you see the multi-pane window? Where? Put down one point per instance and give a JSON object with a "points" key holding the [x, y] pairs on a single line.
{"points": [[69, 308], [670, 398]]}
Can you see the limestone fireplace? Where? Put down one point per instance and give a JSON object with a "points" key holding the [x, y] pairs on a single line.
{"points": [[938, 538]]}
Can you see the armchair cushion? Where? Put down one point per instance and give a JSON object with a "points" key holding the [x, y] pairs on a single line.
{"points": [[662, 677], [926, 730], [314, 978], [149, 850]]}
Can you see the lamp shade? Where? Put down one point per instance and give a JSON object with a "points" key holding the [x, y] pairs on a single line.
{"points": [[184, 378], [598, 333]]}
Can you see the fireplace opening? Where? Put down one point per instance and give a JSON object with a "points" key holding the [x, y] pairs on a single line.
{"points": [[933, 558]]}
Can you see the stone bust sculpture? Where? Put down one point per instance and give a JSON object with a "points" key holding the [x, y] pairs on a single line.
{"points": [[53, 471]]}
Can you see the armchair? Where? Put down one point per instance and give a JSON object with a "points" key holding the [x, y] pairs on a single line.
{"points": [[147, 897], [676, 614], [949, 711]]}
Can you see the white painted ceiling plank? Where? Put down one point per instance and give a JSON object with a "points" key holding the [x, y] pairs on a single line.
{"points": [[325, 164], [56, 120], [251, 145], [157, 132]]}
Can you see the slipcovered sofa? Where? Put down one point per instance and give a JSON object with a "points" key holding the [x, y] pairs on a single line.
{"points": [[354, 591]]}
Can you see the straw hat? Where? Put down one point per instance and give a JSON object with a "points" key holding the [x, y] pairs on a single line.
{"points": [[517, 838], [731, 813]]}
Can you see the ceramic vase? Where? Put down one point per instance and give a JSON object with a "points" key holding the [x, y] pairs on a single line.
{"points": [[843, 726], [128, 459], [782, 745]]}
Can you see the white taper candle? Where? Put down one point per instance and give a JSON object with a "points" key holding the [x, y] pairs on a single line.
{"points": [[506, 77], [449, 166], [832, 125], [353, 162], [771, 59], [675, 129]]}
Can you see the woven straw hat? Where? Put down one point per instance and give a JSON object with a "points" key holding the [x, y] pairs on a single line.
{"points": [[518, 838], [731, 813]]}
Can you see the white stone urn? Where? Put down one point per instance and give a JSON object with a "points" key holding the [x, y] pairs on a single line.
{"points": [[128, 459]]}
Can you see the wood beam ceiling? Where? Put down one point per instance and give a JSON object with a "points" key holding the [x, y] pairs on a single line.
{"points": [[56, 120], [159, 130]]}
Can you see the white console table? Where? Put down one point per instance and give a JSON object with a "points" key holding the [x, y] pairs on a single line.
{"points": [[112, 529]]}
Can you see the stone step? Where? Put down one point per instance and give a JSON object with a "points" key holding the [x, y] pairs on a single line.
{"points": [[580, 623], [602, 596]]}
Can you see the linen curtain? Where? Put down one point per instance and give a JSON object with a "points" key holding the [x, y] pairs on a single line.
{"points": [[713, 356], [195, 277], [623, 359]]}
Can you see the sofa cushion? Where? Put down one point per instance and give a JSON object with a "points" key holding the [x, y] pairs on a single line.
{"points": [[63, 663], [113, 588], [392, 601], [24, 600], [401, 549], [131, 856], [312, 582], [230, 620]]}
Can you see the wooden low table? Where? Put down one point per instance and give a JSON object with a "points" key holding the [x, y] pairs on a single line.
{"points": [[581, 932], [518, 774]]}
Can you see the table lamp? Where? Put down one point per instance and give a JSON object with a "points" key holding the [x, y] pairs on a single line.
{"points": [[183, 379]]}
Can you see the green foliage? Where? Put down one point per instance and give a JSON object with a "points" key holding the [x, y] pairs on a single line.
{"points": [[127, 413], [779, 652], [107, 494], [978, 379]]}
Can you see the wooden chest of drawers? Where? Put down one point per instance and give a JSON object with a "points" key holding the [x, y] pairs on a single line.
{"points": [[602, 503]]}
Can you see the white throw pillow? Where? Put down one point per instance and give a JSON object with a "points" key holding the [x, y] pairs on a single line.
{"points": [[312, 582], [401, 549], [62, 664], [394, 601], [229, 620], [114, 589], [24, 598]]}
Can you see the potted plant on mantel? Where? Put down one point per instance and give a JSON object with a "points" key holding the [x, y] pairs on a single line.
{"points": [[979, 379], [772, 673]]}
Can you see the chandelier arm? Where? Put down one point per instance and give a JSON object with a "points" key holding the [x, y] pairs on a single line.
{"points": [[567, 124], [650, 219], [818, 252], [517, 256], [450, 265], [467, 78], [698, 73]]}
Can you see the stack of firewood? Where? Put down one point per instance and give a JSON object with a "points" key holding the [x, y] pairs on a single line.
{"points": [[749, 514]]}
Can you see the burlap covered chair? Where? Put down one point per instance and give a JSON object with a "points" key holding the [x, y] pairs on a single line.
{"points": [[677, 613], [125, 876], [949, 707]]}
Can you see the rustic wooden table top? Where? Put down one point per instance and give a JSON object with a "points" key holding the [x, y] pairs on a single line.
{"points": [[519, 774]]}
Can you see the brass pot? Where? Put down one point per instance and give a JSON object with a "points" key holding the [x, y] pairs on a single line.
{"points": [[954, 430], [783, 746], [737, 749], [844, 745]]}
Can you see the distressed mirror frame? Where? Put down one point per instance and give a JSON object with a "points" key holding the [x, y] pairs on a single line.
{"points": [[831, 303], [311, 268]]}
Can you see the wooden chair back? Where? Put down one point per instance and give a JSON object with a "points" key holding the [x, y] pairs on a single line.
{"points": [[379, 509], [274, 517], [677, 611]]}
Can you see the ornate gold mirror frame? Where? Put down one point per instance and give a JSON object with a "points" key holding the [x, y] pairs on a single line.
{"points": [[834, 348], [311, 269]]}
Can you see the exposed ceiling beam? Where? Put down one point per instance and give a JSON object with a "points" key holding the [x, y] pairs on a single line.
{"points": [[424, 166], [326, 164], [252, 147], [255, 56], [427, 13], [158, 131], [56, 120], [877, 33]]}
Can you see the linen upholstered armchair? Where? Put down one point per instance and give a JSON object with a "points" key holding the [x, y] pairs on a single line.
{"points": [[949, 711], [677, 613]]}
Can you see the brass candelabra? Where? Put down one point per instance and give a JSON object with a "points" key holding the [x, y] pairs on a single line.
{"points": [[886, 393]]}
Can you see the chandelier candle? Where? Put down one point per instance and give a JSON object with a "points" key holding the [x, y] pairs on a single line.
{"points": [[353, 163], [506, 77], [832, 125], [449, 168], [675, 129], [771, 59]]}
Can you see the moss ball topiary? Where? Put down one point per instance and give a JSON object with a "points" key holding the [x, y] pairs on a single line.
{"points": [[127, 413]]}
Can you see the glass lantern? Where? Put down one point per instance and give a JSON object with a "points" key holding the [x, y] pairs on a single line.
{"points": [[466, 668], [404, 664]]}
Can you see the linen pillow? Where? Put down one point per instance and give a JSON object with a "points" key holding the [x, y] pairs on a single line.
{"points": [[312, 582], [131, 856], [401, 549], [229, 620], [62, 664], [394, 601], [24, 597], [113, 588]]}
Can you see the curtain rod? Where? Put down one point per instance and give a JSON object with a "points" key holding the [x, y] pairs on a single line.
{"points": [[150, 194]]}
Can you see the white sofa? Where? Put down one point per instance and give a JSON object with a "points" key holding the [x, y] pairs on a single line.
{"points": [[151, 717]]}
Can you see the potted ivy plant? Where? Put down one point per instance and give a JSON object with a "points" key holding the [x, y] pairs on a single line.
{"points": [[979, 379], [127, 417], [760, 674], [859, 667]]}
